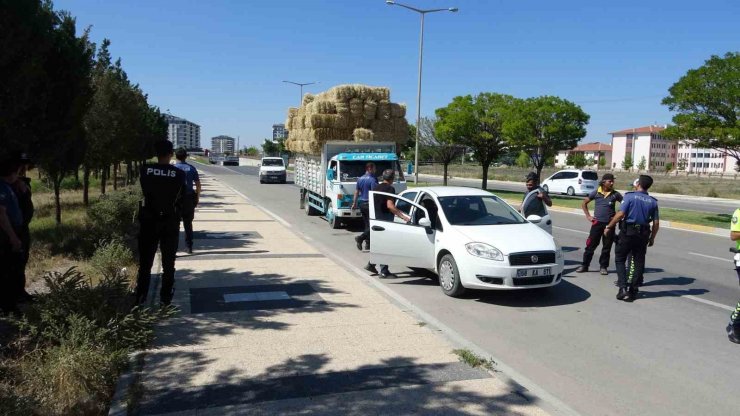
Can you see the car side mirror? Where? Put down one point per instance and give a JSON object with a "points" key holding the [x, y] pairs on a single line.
{"points": [[424, 222], [259, 165], [534, 219]]}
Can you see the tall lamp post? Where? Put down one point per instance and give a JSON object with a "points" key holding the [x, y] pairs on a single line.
{"points": [[422, 12], [301, 84]]}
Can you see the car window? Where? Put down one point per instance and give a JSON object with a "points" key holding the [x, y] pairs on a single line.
{"points": [[403, 205], [272, 162], [558, 175], [478, 210], [570, 175], [590, 175]]}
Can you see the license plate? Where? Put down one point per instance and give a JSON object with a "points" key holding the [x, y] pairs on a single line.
{"points": [[545, 271]]}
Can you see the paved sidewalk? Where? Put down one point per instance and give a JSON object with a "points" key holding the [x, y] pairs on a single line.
{"points": [[269, 325]]}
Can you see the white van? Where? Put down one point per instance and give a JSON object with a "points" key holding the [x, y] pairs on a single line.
{"points": [[572, 182], [272, 169]]}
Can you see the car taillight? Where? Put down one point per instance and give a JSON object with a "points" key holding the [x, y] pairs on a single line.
{"points": [[580, 181]]}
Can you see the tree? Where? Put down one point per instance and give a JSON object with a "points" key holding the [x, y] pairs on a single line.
{"points": [[682, 164], [627, 163], [641, 165], [252, 151], [708, 106], [668, 167], [270, 148], [444, 149], [590, 161], [523, 160], [601, 160], [568, 159], [543, 126], [477, 123], [579, 160]]}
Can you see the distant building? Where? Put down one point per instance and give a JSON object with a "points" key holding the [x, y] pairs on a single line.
{"points": [[279, 132], [223, 144], [644, 142], [595, 150], [182, 133], [694, 159]]}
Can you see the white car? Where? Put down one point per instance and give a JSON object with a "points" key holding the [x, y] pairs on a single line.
{"points": [[571, 182], [471, 238], [272, 169]]}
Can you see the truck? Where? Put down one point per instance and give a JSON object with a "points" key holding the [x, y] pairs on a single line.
{"points": [[327, 182]]}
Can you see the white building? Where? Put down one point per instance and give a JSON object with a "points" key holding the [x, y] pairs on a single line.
{"points": [[182, 133], [223, 144], [595, 150], [702, 160], [644, 142]]}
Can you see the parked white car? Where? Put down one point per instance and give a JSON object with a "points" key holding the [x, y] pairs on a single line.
{"points": [[572, 182], [471, 238], [272, 169]]}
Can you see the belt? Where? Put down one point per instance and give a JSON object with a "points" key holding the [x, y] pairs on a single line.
{"points": [[637, 226]]}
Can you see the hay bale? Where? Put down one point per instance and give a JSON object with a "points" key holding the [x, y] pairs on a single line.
{"points": [[356, 107], [307, 98], [342, 120], [325, 107], [398, 110], [363, 135], [341, 106], [323, 120], [384, 110], [370, 109]]}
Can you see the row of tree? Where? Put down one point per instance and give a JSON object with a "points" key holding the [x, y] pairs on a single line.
{"points": [[66, 103]]}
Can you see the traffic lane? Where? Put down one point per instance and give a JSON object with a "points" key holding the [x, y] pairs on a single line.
{"points": [[599, 355], [678, 202]]}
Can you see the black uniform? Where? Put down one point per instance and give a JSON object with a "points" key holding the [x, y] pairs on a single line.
{"points": [[640, 210], [603, 213], [159, 220]]}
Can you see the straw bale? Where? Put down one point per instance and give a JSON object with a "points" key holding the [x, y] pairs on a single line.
{"points": [[324, 107], [398, 110], [369, 109], [323, 120], [363, 135], [342, 120], [384, 110], [307, 98], [356, 107], [341, 106]]}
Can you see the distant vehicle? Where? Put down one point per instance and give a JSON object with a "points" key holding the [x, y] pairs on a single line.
{"points": [[272, 169], [572, 182], [471, 238], [231, 161]]}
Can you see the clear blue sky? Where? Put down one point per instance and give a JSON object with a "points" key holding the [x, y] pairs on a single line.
{"points": [[220, 63]]}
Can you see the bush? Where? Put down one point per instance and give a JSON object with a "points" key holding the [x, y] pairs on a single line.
{"points": [[70, 183], [712, 193], [111, 257], [113, 215]]}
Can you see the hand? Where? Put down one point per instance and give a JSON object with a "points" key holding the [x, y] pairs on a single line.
{"points": [[540, 195], [197, 199], [651, 242], [589, 218], [607, 230], [354, 205]]}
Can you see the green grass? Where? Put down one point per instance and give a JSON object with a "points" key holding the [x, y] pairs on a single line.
{"points": [[473, 360]]}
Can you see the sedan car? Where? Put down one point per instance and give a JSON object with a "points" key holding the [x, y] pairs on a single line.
{"points": [[470, 238]]}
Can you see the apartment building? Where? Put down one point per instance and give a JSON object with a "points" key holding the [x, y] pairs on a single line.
{"points": [[644, 142], [223, 145], [182, 133], [695, 159], [594, 150]]}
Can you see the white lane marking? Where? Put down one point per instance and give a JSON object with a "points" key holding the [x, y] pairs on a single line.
{"points": [[570, 229], [270, 213], [709, 302], [710, 257]]}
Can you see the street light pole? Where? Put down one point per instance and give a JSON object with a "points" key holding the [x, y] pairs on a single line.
{"points": [[301, 84], [418, 91]]}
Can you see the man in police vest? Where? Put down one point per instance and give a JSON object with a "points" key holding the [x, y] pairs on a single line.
{"points": [[639, 210], [733, 328], [163, 186]]}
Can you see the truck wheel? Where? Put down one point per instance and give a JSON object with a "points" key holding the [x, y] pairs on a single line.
{"points": [[310, 211], [334, 222], [449, 277]]}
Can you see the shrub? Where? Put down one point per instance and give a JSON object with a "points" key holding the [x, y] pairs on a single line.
{"points": [[111, 257], [712, 193], [70, 183], [113, 215]]}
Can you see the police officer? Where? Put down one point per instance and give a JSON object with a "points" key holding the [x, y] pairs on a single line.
{"points": [[163, 186], [733, 328], [365, 184], [605, 199], [639, 210], [192, 196]]}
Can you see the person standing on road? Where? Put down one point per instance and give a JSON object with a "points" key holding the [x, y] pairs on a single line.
{"points": [[536, 207], [365, 184], [606, 198], [386, 210], [163, 186], [733, 328], [192, 196], [639, 210], [11, 246], [22, 189]]}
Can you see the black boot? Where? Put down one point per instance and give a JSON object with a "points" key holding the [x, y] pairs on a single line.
{"points": [[622, 293], [631, 294], [733, 333]]}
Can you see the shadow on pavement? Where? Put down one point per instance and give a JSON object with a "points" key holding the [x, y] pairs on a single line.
{"points": [[671, 281], [565, 293], [671, 293]]}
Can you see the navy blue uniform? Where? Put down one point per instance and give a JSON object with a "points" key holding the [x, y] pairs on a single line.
{"points": [[159, 222], [189, 200], [640, 210], [365, 184]]}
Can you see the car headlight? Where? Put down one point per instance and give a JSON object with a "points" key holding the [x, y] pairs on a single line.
{"points": [[558, 251], [484, 250]]}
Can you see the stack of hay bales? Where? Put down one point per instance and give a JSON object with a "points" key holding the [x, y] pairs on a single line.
{"points": [[345, 112]]}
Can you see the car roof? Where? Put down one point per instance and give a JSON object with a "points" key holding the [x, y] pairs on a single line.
{"points": [[442, 191], [272, 157]]}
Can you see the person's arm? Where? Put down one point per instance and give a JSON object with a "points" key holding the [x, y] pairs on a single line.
{"points": [[397, 212], [654, 232], [354, 199], [545, 198], [615, 220], [15, 242], [734, 235], [584, 207]]}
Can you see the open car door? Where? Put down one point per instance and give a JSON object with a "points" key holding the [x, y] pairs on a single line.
{"points": [[400, 244], [533, 207]]}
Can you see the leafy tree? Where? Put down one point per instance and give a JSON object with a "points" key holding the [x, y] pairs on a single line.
{"points": [[602, 160], [641, 165], [252, 151], [668, 167], [579, 160], [443, 148], [627, 163], [270, 148], [590, 161], [570, 159], [682, 164], [543, 126], [477, 123], [523, 161], [707, 105]]}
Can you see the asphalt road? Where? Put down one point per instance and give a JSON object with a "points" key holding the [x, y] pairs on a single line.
{"points": [[691, 203], [665, 354]]}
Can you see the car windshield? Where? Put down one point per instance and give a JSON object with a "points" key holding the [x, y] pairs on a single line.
{"points": [[272, 162], [351, 170], [478, 210], [591, 176]]}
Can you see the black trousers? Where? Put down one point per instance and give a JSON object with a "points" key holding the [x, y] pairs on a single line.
{"points": [[11, 272], [735, 317], [596, 236], [153, 233], [632, 241], [188, 213], [365, 211]]}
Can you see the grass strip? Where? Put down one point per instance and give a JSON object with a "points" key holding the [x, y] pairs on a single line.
{"points": [[470, 358]]}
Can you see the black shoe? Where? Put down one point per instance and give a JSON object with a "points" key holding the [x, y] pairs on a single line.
{"points": [[359, 242], [622, 293], [733, 334], [388, 276], [581, 269], [190, 249], [631, 295], [604, 271], [371, 268]]}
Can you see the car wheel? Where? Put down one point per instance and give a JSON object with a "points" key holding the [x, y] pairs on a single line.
{"points": [[449, 277], [334, 222], [546, 188], [261, 181], [571, 191]]}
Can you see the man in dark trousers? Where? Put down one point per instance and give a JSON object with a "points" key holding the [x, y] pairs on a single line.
{"points": [[639, 211], [365, 184], [22, 189], [191, 197], [733, 328], [11, 246], [163, 186], [605, 199], [385, 209]]}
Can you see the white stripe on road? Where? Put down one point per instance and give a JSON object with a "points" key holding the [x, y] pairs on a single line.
{"points": [[710, 257], [709, 302], [570, 229]]}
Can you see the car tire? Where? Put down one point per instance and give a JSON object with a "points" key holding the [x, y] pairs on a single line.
{"points": [[332, 219], [571, 191], [449, 277], [261, 181], [546, 188]]}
